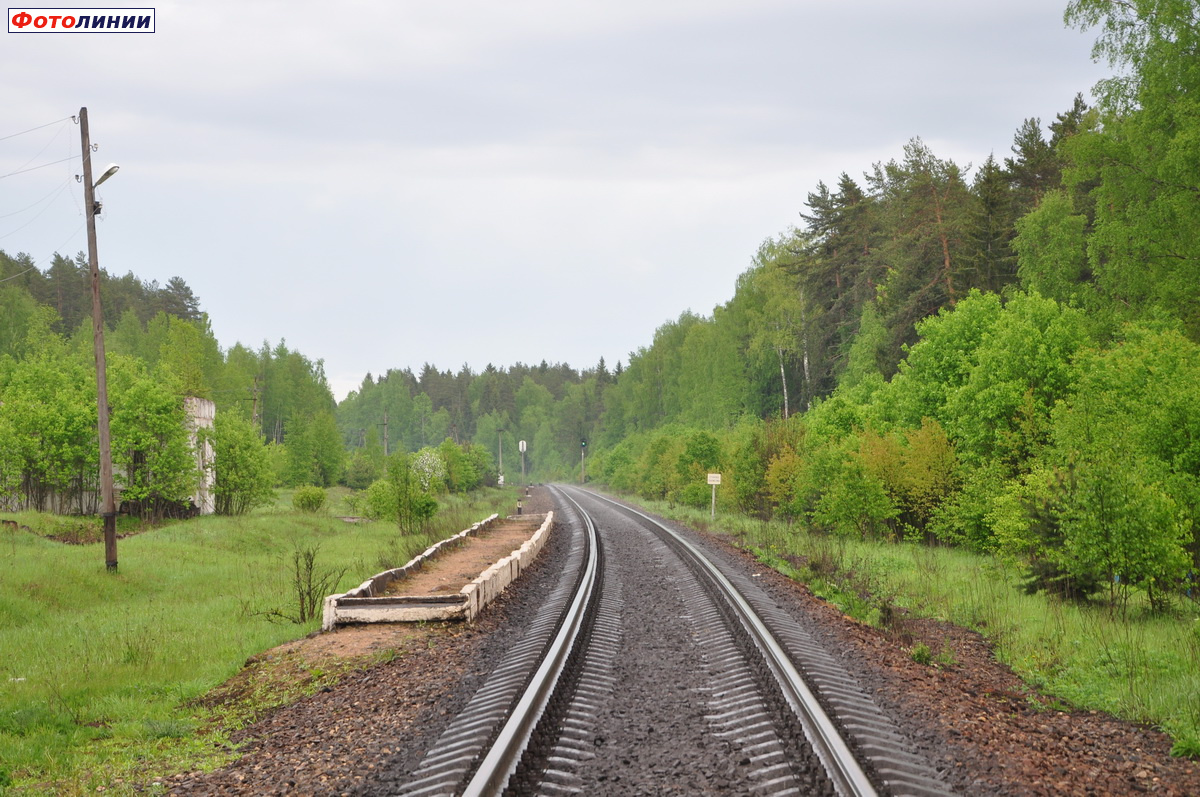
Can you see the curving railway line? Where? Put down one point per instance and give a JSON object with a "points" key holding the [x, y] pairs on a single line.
{"points": [[656, 666]]}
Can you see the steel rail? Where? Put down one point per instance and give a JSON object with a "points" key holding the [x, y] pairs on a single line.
{"points": [[504, 755], [840, 763]]}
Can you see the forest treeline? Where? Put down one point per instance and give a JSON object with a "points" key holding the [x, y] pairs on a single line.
{"points": [[1000, 355]]}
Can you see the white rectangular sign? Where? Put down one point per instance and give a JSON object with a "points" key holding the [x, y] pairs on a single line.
{"points": [[714, 478]]}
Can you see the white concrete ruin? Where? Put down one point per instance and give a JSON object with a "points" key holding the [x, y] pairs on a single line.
{"points": [[200, 414]]}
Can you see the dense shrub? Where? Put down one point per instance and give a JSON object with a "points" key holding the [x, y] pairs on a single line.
{"points": [[309, 498]]}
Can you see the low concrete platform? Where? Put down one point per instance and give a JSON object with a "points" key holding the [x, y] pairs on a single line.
{"points": [[444, 582]]}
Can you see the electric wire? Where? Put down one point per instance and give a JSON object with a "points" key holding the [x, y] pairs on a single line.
{"points": [[38, 154], [48, 198], [53, 192], [39, 127], [38, 215], [18, 274], [70, 238], [35, 168]]}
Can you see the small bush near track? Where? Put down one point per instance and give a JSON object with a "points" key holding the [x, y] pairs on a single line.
{"points": [[309, 499]]}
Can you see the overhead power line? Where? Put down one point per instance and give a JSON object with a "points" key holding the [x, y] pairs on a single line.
{"points": [[41, 166], [39, 127], [35, 218], [33, 205], [19, 274], [35, 265]]}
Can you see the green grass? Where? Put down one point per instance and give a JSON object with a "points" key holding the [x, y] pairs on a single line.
{"points": [[97, 667], [1138, 664], [67, 528]]}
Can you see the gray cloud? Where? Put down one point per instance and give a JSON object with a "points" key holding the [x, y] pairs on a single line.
{"points": [[388, 183]]}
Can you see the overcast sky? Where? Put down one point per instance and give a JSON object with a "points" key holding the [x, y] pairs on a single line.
{"points": [[384, 184]]}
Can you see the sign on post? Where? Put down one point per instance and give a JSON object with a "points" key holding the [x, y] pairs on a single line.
{"points": [[714, 479]]}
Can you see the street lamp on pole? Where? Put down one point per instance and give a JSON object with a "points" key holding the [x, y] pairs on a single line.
{"points": [[108, 509], [109, 172]]}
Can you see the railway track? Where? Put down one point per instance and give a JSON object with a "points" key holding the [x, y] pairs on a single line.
{"points": [[656, 667]]}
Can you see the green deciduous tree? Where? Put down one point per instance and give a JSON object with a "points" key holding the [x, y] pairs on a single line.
{"points": [[1140, 397], [400, 498], [315, 453], [845, 493], [47, 431], [461, 473], [154, 462], [1120, 527], [1141, 160], [941, 362], [189, 351], [1022, 368], [23, 322], [701, 455], [778, 319], [241, 466], [1051, 247]]}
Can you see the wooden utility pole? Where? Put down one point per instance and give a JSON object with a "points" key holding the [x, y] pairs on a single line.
{"points": [[108, 509], [254, 406]]}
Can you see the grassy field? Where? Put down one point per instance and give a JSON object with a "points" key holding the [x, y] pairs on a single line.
{"points": [[97, 668], [1137, 664]]}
